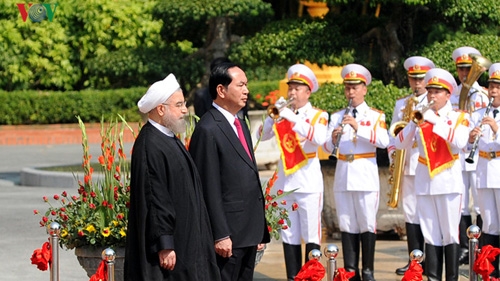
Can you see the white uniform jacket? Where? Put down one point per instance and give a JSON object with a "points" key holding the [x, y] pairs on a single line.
{"points": [[456, 135], [488, 164], [360, 174], [477, 100], [411, 159], [309, 178]]}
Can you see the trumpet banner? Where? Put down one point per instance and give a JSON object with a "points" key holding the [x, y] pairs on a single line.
{"points": [[437, 151], [291, 153]]}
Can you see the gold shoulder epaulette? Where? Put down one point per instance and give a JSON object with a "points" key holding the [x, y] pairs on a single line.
{"points": [[377, 110], [319, 109]]}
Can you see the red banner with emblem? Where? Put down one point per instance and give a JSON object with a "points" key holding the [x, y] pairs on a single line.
{"points": [[291, 153], [437, 151]]}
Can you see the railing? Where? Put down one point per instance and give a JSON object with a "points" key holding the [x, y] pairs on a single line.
{"points": [[54, 229], [473, 232]]}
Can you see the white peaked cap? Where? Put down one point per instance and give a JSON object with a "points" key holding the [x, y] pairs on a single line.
{"points": [[299, 73], [356, 73], [461, 56], [417, 66], [158, 93], [440, 78], [494, 73]]}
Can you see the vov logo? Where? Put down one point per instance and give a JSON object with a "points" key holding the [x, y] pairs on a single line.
{"points": [[37, 12]]}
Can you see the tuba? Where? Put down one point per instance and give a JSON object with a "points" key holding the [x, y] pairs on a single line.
{"points": [[398, 156], [479, 65]]}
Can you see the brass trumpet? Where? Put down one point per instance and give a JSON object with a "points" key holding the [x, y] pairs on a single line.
{"points": [[274, 111], [418, 115]]}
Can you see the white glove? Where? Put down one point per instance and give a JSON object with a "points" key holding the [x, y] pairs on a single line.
{"points": [[288, 114], [280, 102], [431, 116]]}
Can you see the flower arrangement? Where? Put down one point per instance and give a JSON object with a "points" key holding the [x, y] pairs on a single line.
{"points": [[276, 210], [97, 216]]}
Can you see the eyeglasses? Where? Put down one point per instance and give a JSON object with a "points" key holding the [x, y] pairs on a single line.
{"points": [[179, 105]]}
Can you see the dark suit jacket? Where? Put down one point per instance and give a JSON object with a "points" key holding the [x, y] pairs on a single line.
{"points": [[230, 180]]}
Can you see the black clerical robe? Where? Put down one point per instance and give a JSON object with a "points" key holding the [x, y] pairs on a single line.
{"points": [[167, 211]]}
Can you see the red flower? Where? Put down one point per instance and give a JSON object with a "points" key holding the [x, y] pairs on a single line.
{"points": [[295, 206], [56, 197], [36, 212], [281, 221], [274, 204], [81, 233], [279, 192], [283, 202]]}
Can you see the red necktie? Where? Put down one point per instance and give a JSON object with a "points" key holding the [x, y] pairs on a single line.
{"points": [[241, 136]]}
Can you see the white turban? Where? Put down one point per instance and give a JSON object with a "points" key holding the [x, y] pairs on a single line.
{"points": [[158, 93]]}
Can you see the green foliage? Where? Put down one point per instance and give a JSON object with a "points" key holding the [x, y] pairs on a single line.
{"points": [[53, 54], [474, 16], [440, 52], [38, 107], [288, 41], [187, 19], [330, 97]]}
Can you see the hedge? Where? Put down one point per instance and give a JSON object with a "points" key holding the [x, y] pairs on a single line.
{"points": [[44, 107]]}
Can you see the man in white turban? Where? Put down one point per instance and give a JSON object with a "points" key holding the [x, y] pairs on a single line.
{"points": [[167, 220]]}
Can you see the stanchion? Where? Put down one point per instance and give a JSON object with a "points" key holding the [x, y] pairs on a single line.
{"points": [[108, 255], [314, 254], [54, 229], [417, 255], [331, 252], [473, 232]]}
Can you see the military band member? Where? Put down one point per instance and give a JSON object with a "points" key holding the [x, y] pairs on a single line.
{"points": [[356, 185], [488, 163], [475, 100], [441, 133], [416, 68], [307, 127]]}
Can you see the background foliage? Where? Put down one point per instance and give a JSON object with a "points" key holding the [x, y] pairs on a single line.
{"points": [[101, 45]]}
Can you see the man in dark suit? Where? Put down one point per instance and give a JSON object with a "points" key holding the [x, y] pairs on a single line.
{"points": [[221, 147]]}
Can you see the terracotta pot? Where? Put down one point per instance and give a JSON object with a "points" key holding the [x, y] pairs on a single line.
{"points": [[90, 257]]}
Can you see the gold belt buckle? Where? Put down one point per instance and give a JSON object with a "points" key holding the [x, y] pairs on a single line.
{"points": [[349, 158], [492, 155]]}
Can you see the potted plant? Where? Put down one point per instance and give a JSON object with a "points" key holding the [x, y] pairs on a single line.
{"points": [[316, 8], [96, 217]]}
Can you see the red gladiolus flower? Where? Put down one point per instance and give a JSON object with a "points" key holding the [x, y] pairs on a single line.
{"points": [[91, 206], [110, 206], [85, 199], [56, 197], [93, 194], [266, 206], [45, 219], [117, 177], [279, 192], [105, 203], [281, 221], [120, 216], [274, 204], [35, 212], [283, 202], [53, 213], [295, 206], [86, 179], [284, 227], [64, 194], [269, 228], [101, 160], [63, 209], [74, 197], [45, 199], [81, 233]]}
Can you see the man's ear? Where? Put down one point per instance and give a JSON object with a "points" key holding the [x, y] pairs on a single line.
{"points": [[160, 109], [221, 91]]}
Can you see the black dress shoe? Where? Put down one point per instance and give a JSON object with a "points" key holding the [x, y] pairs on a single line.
{"points": [[464, 256], [402, 270]]}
